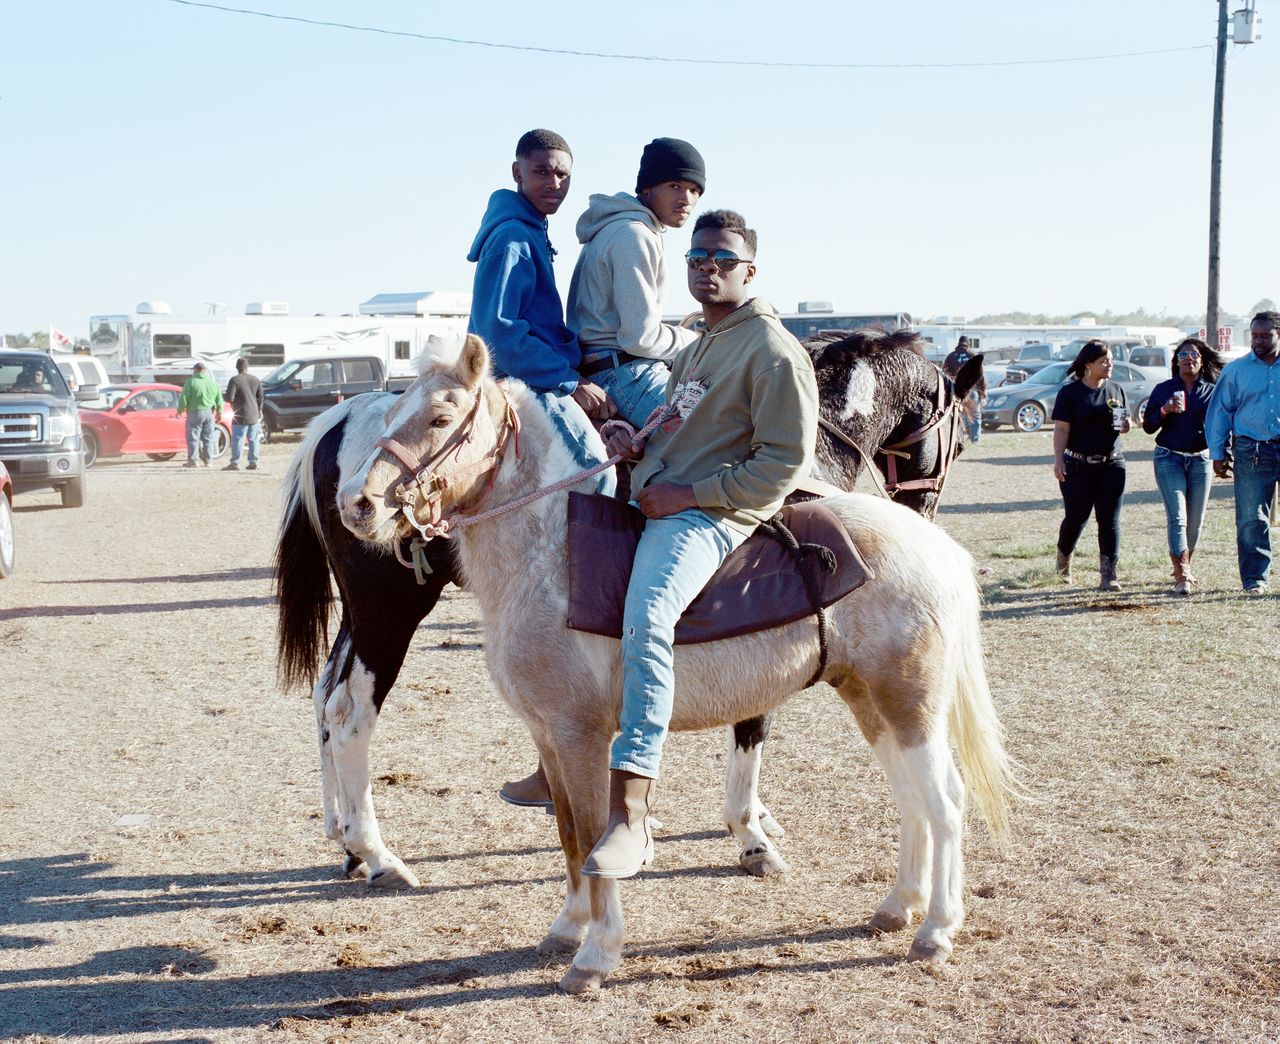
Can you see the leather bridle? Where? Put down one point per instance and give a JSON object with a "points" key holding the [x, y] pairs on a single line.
{"points": [[422, 485]]}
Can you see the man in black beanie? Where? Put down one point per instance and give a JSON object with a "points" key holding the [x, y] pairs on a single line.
{"points": [[615, 307]]}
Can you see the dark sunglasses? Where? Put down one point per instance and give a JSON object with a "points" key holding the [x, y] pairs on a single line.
{"points": [[724, 260]]}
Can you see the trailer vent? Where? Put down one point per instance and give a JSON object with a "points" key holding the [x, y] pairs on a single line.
{"points": [[267, 308]]}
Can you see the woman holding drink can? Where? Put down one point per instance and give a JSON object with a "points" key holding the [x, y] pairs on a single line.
{"points": [[1089, 415], [1175, 415]]}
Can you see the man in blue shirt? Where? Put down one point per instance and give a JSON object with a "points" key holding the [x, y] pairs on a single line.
{"points": [[515, 306], [1246, 404]]}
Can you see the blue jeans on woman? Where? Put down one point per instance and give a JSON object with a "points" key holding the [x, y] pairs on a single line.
{"points": [[637, 388], [1257, 469], [1183, 481], [676, 557]]}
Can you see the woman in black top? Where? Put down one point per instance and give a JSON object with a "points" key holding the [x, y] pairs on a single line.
{"points": [[1089, 415], [1176, 412]]}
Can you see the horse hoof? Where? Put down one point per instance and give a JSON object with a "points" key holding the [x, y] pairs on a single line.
{"points": [[394, 877], [929, 952], [883, 923], [770, 825], [763, 862], [353, 866], [557, 946], [577, 981]]}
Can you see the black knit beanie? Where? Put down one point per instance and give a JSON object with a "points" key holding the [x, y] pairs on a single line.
{"points": [[670, 159]]}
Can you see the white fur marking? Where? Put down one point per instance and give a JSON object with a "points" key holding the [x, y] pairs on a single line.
{"points": [[860, 392]]}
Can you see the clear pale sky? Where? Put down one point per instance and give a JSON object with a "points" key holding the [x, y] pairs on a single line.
{"points": [[158, 151]]}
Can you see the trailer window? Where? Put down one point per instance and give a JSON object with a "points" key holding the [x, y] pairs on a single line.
{"points": [[171, 346], [263, 354], [402, 350]]}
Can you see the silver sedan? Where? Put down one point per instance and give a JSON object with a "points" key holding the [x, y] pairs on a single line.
{"points": [[1028, 406]]}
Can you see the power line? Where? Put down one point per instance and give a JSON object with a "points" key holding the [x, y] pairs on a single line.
{"points": [[686, 61]]}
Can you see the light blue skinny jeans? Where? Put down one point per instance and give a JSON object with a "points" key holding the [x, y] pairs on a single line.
{"points": [[637, 388], [572, 423], [239, 432], [1257, 469], [676, 557], [1184, 483]]}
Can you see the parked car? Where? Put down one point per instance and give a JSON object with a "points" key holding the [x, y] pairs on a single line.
{"points": [[299, 391], [1156, 357], [141, 418], [1028, 405], [6, 522], [39, 427]]}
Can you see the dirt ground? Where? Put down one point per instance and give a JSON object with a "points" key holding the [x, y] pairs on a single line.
{"points": [[163, 874]]}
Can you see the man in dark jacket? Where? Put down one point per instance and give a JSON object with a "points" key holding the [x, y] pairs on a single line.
{"points": [[244, 392]]}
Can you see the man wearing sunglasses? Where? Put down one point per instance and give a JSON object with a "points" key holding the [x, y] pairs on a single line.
{"points": [[515, 306], [742, 407], [615, 298], [1246, 405]]}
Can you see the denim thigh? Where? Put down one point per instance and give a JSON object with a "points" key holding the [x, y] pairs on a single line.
{"points": [[637, 388]]}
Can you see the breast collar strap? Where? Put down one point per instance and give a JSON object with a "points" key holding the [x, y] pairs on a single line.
{"points": [[945, 419]]}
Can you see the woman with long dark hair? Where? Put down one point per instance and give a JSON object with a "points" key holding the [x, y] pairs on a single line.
{"points": [[1175, 415], [1089, 415]]}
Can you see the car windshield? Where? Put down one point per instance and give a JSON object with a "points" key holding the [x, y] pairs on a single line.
{"points": [[282, 373], [24, 375], [108, 396], [1055, 374]]}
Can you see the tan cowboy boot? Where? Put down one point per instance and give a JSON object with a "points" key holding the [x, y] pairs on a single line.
{"points": [[1063, 567], [627, 842], [1181, 575], [530, 792], [1186, 567], [1107, 573]]}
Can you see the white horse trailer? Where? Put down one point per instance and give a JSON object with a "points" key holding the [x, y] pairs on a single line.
{"points": [[151, 344]]}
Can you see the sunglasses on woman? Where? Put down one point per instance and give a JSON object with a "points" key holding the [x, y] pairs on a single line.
{"points": [[1188, 353], [724, 260]]}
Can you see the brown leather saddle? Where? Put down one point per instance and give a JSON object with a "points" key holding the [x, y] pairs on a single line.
{"points": [[759, 586]]}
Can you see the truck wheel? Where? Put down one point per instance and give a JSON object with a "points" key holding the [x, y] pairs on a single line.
{"points": [[6, 537], [90, 445], [73, 493]]}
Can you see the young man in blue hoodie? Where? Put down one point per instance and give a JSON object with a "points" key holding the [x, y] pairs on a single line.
{"points": [[516, 307]]}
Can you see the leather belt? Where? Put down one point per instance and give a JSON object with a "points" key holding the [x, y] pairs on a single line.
{"points": [[598, 362], [1096, 458]]}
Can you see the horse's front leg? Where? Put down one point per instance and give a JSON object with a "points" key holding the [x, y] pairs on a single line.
{"points": [[745, 816], [347, 718], [328, 774]]}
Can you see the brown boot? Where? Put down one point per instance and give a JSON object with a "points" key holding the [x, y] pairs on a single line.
{"points": [[530, 792], [627, 842], [1181, 575], [1186, 568], [1107, 573], [1063, 567]]}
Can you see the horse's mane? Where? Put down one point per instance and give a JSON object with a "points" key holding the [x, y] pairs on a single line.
{"points": [[836, 346]]}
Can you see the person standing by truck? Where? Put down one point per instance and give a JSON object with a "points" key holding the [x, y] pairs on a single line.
{"points": [[244, 392], [201, 400]]}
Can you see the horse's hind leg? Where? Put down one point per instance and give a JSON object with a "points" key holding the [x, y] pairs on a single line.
{"points": [[746, 818], [347, 715]]}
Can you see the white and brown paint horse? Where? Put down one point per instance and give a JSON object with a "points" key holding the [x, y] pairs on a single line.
{"points": [[905, 654], [875, 388]]}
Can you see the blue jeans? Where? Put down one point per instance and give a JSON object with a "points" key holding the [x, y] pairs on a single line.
{"points": [[1184, 484], [637, 388], [973, 422], [676, 557], [200, 434], [240, 432], [1257, 468], [574, 426]]}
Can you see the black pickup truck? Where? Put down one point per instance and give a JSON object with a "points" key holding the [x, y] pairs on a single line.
{"points": [[299, 391]]}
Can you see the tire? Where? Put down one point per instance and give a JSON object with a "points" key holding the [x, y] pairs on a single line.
{"points": [[1029, 416], [90, 445], [73, 493], [161, 456], [990, 426], [1141, 411], [6, 537], [221, 441]]}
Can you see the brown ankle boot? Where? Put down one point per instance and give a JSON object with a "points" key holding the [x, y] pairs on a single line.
{"points": [[1063, 567], [627, 843], [1107, 573], [1181, 575], [530, 792]]}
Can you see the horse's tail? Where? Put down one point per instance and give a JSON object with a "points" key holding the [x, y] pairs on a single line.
{"points": [[301, 564], [989, 772]]}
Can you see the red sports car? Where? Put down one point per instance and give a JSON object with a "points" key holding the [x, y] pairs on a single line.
{"points": [[6, 522], [141, 418]]}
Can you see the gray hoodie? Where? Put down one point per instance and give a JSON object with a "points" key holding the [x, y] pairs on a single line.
{"points": [[615, 298]]}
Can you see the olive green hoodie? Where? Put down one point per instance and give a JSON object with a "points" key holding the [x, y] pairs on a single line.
{"points": [[748, 416]]}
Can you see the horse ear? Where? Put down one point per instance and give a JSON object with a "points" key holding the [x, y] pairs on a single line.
{"points": [[968, 377], [473, 361]]}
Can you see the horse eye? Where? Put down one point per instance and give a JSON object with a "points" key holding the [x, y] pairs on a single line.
{"points": [[441, 422]]}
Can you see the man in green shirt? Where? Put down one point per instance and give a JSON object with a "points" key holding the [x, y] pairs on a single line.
{"points": [[201, 399]]}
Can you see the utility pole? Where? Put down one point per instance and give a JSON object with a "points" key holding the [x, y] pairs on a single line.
{"points": [[1215, 181]]}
